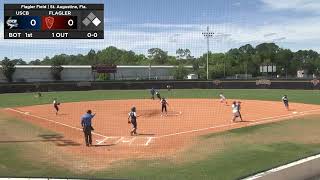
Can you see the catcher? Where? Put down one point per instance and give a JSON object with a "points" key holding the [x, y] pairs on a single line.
{"points": [[132, 119], [56, 105]]}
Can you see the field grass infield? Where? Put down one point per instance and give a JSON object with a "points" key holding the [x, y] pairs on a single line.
{"points": [[231, 154]]}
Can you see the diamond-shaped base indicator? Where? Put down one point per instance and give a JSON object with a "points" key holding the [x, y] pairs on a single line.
{"points": [[86, 21], [96, 21], [91, 16]]}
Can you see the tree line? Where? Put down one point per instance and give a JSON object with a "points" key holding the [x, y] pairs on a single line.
{"points": [[246, 59]]}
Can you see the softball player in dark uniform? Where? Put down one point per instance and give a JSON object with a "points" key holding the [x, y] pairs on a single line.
{"points": [[164, 104], [152, 92], [56, 105], [235, 111], [285, 101], [239, 108], [132, 119], [158, 95]]}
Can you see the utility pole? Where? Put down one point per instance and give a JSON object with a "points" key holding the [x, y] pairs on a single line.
{"points": [[208, 35], [150, 70]]}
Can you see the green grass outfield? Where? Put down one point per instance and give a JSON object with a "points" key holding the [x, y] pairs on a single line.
{"points": [[24, 99], [227, 155]]}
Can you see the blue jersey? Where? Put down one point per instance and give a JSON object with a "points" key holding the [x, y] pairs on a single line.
{"points": [[86, 120]]}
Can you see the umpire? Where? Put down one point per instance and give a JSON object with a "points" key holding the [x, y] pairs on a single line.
{"points": [[87, 127]]}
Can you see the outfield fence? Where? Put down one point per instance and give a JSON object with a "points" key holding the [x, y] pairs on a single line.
{"points": [[133, 85]]}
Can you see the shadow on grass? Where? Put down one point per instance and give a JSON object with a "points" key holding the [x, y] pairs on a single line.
{"points": [[58, 140]]}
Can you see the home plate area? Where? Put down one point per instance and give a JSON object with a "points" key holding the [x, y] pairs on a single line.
{"points": [[129, 141]]}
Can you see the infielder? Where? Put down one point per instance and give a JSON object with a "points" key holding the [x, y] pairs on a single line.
{"points": [[152, 92], [132, 119], [223, 98], [158, 95], [164, 104], [56, 105], [239, 108], [285, 101], [235, 111]]}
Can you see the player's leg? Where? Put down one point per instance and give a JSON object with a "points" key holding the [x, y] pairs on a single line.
{"points": [[165, 109], [240, 116], [162, 109], [233, 117], [86, 136], [285, 105], [56, 108], [90, 137], [134, 130]]}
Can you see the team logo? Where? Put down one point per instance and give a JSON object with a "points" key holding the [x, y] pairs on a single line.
{"points": [[12, 23], [217, 82], [263, 82], [49, 22]]}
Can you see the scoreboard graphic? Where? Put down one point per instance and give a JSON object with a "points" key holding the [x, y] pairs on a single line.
{"points": [[53, 21]]}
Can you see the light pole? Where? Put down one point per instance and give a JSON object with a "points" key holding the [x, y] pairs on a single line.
{"points": [[208, 35], [150, 70]]}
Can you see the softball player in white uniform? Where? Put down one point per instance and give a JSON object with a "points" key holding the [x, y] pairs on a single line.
{"points": [[222, 98]]}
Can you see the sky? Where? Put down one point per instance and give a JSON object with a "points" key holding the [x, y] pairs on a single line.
{"points": [[139, 25]]}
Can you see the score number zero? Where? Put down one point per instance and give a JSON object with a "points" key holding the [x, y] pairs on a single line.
{"points": [[33, 22], [92, 35]]}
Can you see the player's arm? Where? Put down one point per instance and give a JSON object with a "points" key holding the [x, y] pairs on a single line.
{"points": [[82, 122], [129, 119]]}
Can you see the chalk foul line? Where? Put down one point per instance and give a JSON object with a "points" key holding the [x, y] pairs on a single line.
{"points": [[149, 139], [255, 122], [52, 121], [99, 142]]}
